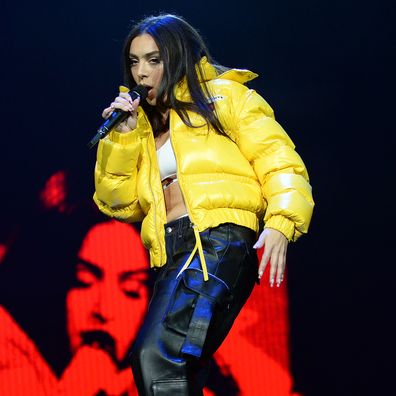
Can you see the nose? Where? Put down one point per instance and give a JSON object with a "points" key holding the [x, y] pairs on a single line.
{"points": [[142, 71], [104, 307]]}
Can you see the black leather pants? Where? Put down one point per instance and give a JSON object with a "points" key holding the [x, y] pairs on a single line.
{"points": [[189, 318]]}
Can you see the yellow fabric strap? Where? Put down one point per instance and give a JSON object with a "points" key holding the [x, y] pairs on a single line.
{"points": [[198, 246]]}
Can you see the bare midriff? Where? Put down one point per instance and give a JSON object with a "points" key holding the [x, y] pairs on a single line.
{"points": [[174, 202]]}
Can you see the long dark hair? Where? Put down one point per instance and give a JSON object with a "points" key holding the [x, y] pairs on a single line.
{"points": [[181, 48]]}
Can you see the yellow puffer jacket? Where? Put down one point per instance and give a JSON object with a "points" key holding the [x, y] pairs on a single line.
{"points": [[240, 178]]}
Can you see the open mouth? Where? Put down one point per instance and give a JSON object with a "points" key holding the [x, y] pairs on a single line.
{"points": [[150, 92], [100, 338]]}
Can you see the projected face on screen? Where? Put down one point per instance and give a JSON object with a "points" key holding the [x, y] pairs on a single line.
{"points": [[106, 306]]}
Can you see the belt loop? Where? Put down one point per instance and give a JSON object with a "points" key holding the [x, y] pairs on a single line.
{"points": [[180, 227]]}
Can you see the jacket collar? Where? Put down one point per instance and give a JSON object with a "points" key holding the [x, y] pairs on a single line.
{"points": [[239, 75], [209, 73]]}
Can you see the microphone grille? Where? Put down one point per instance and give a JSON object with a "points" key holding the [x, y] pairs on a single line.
{"points": [[141, 91]]}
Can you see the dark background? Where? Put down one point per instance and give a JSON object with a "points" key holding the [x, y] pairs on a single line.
{"points": [[327, 68]]}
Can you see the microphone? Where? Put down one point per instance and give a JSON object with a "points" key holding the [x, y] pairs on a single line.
{"points": [[118, 116]]}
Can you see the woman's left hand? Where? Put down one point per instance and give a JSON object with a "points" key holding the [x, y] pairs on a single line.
{"points": [[275, 248]]}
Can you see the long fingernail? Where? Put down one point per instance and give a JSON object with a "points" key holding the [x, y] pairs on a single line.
{"points": [[260, 275], [272, 283]]}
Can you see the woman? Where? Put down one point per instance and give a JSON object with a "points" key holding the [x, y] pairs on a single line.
{"points": [[202, 163]]}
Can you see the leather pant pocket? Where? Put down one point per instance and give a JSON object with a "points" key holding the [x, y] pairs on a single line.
{"points": [[192, 305], [170, 387]]}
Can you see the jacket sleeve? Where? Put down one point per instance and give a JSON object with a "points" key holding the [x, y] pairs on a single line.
{"points": [[116, 176], [280, 170]]}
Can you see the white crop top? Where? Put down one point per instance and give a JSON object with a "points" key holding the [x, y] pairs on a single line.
{"points": [[167, 163]]}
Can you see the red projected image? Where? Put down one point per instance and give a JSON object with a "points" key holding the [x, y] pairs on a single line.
{"points": [[105, 304], [74, 289], [111, 294], [105, 309]]}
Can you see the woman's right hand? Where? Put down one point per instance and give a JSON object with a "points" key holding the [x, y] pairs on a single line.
{"points": [[123, 102]]}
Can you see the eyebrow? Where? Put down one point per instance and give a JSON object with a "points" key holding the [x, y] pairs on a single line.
{"points": [[91, 267], [145, 55]]}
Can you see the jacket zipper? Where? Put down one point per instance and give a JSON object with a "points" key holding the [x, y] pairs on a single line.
{"points": [[198, 244], [177, 171], [154, 200]]}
